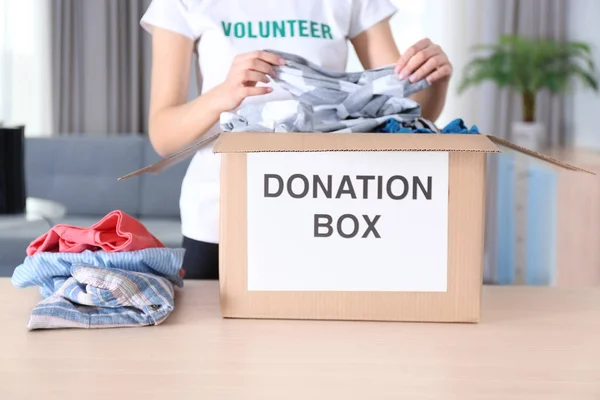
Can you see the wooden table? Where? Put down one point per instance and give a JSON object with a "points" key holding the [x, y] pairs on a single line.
{"points": [[533, 343]]}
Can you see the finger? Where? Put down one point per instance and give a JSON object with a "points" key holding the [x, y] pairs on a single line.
{"points": [[257, 90], [271, 58], [267, 57], [410, 52], [431, 65], [443, 72], [253, 77], [257, 65], [182, 272], [418, 60]]}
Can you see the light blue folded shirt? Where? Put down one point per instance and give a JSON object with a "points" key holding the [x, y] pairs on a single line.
{"points": [[98, 289]]}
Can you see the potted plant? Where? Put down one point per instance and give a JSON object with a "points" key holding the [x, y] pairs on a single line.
{"points": [[528, 66]]}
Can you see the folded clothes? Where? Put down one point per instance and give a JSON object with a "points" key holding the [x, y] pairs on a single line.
{"points": [[329, 101], [98, 289], [49, 271], [420, 125], [105, 298], [117, 231]]}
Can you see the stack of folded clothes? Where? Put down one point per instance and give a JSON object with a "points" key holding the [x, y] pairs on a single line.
{"points": [[375, 100], [112, 274]]}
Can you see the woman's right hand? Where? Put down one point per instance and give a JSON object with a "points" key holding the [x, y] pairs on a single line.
{"points": [[246, 71]]}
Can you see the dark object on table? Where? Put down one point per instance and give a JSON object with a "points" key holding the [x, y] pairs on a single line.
{"points": [[12, 170]]}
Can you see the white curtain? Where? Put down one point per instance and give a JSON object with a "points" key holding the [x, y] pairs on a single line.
{"points": [[25, 65], [583, 105]]}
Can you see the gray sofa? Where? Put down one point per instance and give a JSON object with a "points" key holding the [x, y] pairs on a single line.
{"points": [[81, 173]]}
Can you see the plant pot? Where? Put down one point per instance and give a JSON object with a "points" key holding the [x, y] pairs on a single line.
{"points": [[528, 134]]}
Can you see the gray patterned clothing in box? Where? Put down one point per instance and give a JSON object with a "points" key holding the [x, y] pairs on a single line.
{"points": [[330, 101]]}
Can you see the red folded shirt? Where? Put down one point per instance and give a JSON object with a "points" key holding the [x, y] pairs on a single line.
{"points": [[117, 231]]}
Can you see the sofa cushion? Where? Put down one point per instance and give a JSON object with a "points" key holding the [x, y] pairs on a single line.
{"points": [[159, 193], [81, 172], [14, 242], [168, 231]]}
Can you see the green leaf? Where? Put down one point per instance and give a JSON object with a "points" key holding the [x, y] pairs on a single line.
{"points": [[531, 64]]}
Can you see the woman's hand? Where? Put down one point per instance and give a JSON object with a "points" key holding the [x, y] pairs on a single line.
{"points": [[246, 71], [424, 60]]}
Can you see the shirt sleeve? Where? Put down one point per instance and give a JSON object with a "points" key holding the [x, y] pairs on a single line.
{"points": [[366, 13], [168, 14]]}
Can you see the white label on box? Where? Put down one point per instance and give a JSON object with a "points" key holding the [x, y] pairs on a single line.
{"points": [[348, 221]]}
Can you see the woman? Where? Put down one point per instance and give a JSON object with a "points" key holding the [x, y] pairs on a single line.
{"points": [[228, 36]]}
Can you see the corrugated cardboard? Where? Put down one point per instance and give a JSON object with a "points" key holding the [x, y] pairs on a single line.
{"points": [[460, 298]]}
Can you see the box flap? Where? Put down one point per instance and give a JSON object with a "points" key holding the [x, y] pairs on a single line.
{"points": [[246, 142], [251, 142], [505, 143], [168, 162]]}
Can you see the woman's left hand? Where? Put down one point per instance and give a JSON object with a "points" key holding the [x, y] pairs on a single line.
{"points": [[424, 60]]}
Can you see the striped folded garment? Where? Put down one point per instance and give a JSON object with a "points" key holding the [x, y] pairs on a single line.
{"points": [[98, 289]]}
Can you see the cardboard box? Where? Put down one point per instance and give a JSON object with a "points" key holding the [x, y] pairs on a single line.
{"points": [[353, 226]]}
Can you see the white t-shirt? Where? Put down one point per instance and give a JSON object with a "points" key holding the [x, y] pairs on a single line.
{"points": [[317, 30]]}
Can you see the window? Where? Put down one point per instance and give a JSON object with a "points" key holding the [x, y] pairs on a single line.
{"points": [[25, 80], [4, 95]]}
